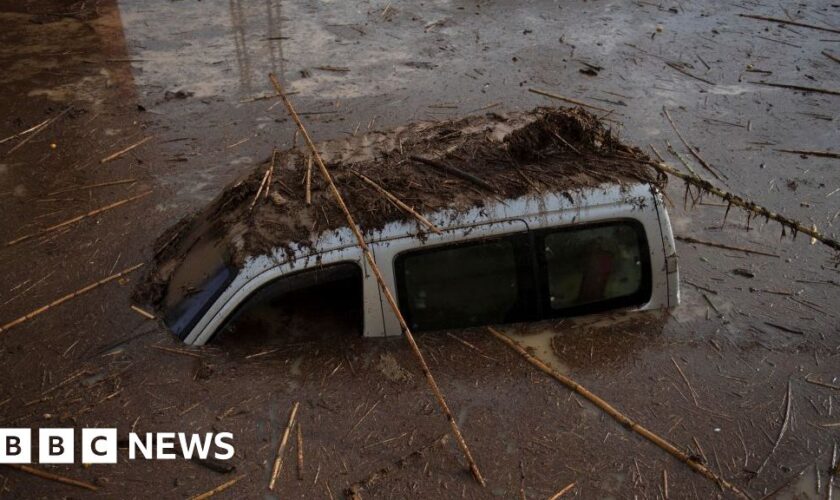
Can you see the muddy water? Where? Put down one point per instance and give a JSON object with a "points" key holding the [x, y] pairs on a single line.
{"points": [[190, 74]]}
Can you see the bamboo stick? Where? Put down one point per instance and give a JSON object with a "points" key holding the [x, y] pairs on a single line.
{"points": [[689, 239], [299, 446], [568, 99], [281, 449], [457, 172], [620, 417], [396, 201], [787, 21], [53, 477], [259, 190], [37, 130], [381, 281], [309, 180], [91, 186], [806, 152], [691, 149], [123, 151], [562, 492], [782, 430], [57, 302], [76, 219], [218, 489], [801, 88], [738, 201]]}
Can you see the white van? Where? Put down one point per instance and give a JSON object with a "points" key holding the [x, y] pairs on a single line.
{"points": [[537, 257]]}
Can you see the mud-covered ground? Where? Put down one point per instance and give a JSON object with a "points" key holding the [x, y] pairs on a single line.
{"points": [[712, 377]]}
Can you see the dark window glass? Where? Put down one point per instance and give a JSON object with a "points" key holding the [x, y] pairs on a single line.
{"points": [[315, 303], [596, 267], [485, 282]]}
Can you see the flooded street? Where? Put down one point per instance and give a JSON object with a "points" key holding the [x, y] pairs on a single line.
{"points": [[142, 112]]}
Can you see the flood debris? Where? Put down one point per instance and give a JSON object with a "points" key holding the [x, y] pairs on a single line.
{"points": [[782, 429], [780, 20], [621, 418], [218, 489], [281, 448], [65, 298], [125, 150], [339, 200], [53, 477]]}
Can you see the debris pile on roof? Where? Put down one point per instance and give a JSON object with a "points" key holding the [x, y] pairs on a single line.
{"points": [[430, 166]]}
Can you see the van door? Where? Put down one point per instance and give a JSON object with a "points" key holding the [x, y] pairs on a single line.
{"points": [[466, 276]]}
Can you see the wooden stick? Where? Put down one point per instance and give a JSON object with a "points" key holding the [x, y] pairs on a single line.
{"points": [[309, 180], [281, 449], [91, 186], [76, 219], [143, 312], [38, 129], [396, 201], [24, 132], [457, 172], [688, 239], [749, 206], [800, 88], [679, 68], [218, 489], [259, 190], [782, 431], [568, 99], [830, 56], [562, 492], [57, 302], [381, 281], [270, 173], [691, 150], [299, 453], [620, 417], [121, 152], [53, 477], [792, 23], [822, 154], [823, 384]]}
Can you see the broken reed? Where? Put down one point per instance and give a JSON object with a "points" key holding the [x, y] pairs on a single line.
{"points": [[351, 223], [733, 199]]}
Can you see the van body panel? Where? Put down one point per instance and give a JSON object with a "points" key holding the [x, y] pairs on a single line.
{"points": [[638, 202]]}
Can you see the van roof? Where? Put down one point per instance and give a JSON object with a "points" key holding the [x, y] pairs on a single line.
{"points": [[507, 155]]}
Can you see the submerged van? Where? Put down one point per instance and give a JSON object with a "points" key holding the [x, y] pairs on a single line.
{"points": [[564, 232]]}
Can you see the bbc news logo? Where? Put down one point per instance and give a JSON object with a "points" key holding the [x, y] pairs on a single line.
{"points": [[99, 446]]}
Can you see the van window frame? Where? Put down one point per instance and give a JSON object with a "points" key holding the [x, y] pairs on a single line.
{"points": [[526, 279], [535, 286], [642, 295]]}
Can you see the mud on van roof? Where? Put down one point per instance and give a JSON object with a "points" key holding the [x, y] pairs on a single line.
{"points": [[431, 166]]}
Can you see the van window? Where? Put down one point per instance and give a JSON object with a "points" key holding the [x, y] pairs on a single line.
{"points": [[462, 285], [314, 303], [595, 267]]}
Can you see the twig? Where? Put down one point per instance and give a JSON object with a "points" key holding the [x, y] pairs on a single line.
{"points": [[682, 70], [620, 417], [782, 431], [218, 489], [457, 172], [687, 383], [57, 302], [121, 152], [52, 477], [750, 206], [833, 471], [822, 154], [562, 492], [259, 190], [309, 180], [691, 150], [91, 186], [37, 130], [800, 88], [396, 201], [381, 281], [281, 449], [177, 351], [24, 132], [823, 384], [76, 219], [299, 453], [568, 99], [143, 313], [830, 56], [689, 239], [792, 23]]}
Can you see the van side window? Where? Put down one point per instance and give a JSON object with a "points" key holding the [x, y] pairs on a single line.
{"points": [[462, 285], [595, 267]]}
